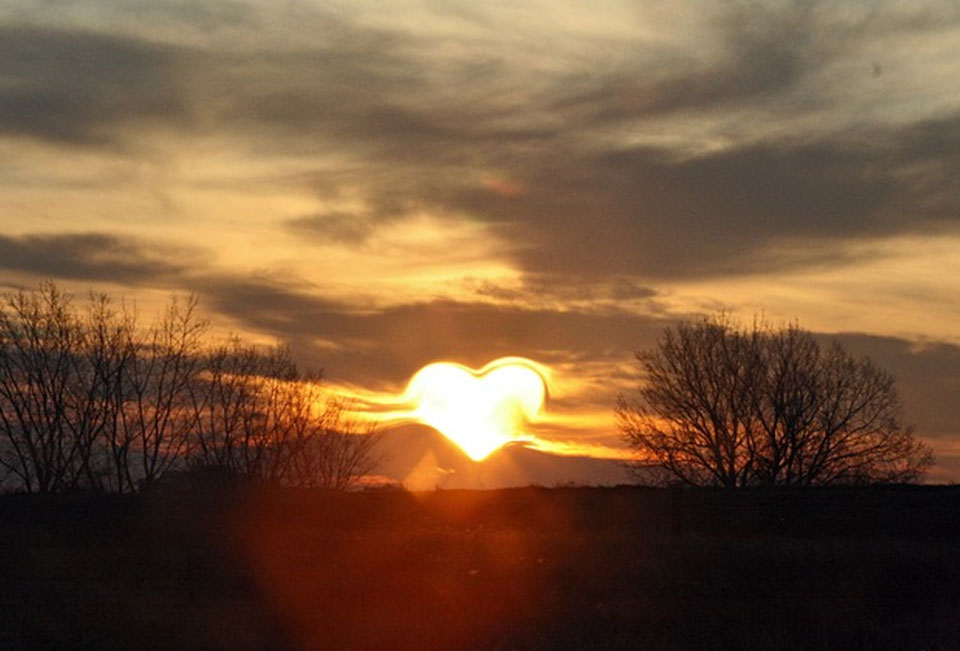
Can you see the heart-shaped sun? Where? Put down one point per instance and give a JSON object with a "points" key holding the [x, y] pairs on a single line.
{"points": [[481, 410]]}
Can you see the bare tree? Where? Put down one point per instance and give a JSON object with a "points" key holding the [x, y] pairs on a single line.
{"points": [[253, 412], [37, 341], [259, 419], [731, 406], [338, 453], [58, 370], [220, 398], [39, 338], [153, 425], [99, 362], [89, 400]]}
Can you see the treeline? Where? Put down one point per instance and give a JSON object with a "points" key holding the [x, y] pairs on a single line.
{"points": [[91, 400]]}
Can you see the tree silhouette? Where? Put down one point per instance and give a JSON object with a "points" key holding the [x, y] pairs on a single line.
{"points": [[259, 419], [54, 401], [252, 411], [338, 452], [154, 424], [89, 400], [726, 405]]}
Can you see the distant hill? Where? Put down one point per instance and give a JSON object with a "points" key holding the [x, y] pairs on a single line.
{"points": [[422, 458]]}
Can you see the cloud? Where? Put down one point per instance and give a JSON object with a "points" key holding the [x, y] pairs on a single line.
{"points": [[389, 344], [333, 227], [927, 375], [562, 288], [756, 54], [788, 196], [761, 207], [418, 131], [606, 160], [98, 257], [79, 87]]}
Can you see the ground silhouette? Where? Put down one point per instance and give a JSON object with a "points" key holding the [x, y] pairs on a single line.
{"points": [[533, 568]]}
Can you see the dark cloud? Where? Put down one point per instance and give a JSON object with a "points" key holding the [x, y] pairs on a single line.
{"points": [[333, 228], [927, 374], [275, 306], [422, 134], [383, 93], [564, 288], [206, 18], [389, 344], [745, 209], [73, 86], [758, 55], [595, 208], [98, 257]]}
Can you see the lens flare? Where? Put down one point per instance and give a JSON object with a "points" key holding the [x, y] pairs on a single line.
{"points": [[483, 410]]}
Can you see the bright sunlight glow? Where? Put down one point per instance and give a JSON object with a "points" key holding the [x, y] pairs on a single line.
{"points": [[481, 410]]}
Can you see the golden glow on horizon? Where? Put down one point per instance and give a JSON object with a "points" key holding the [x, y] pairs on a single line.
{"points": [[483, 410]]}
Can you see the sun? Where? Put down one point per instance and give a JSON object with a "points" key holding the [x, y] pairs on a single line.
{"points": [[480, 410]]}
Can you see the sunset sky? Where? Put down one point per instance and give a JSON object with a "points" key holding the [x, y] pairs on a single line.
{"points": [[387, 184]]}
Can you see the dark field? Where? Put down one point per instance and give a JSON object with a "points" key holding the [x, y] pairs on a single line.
{"points": [[567, 568]]}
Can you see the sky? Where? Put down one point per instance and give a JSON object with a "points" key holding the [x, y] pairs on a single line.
{"points": [[384, 185]]}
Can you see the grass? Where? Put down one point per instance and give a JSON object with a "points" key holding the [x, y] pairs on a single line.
{"points": [[566, 568]]}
